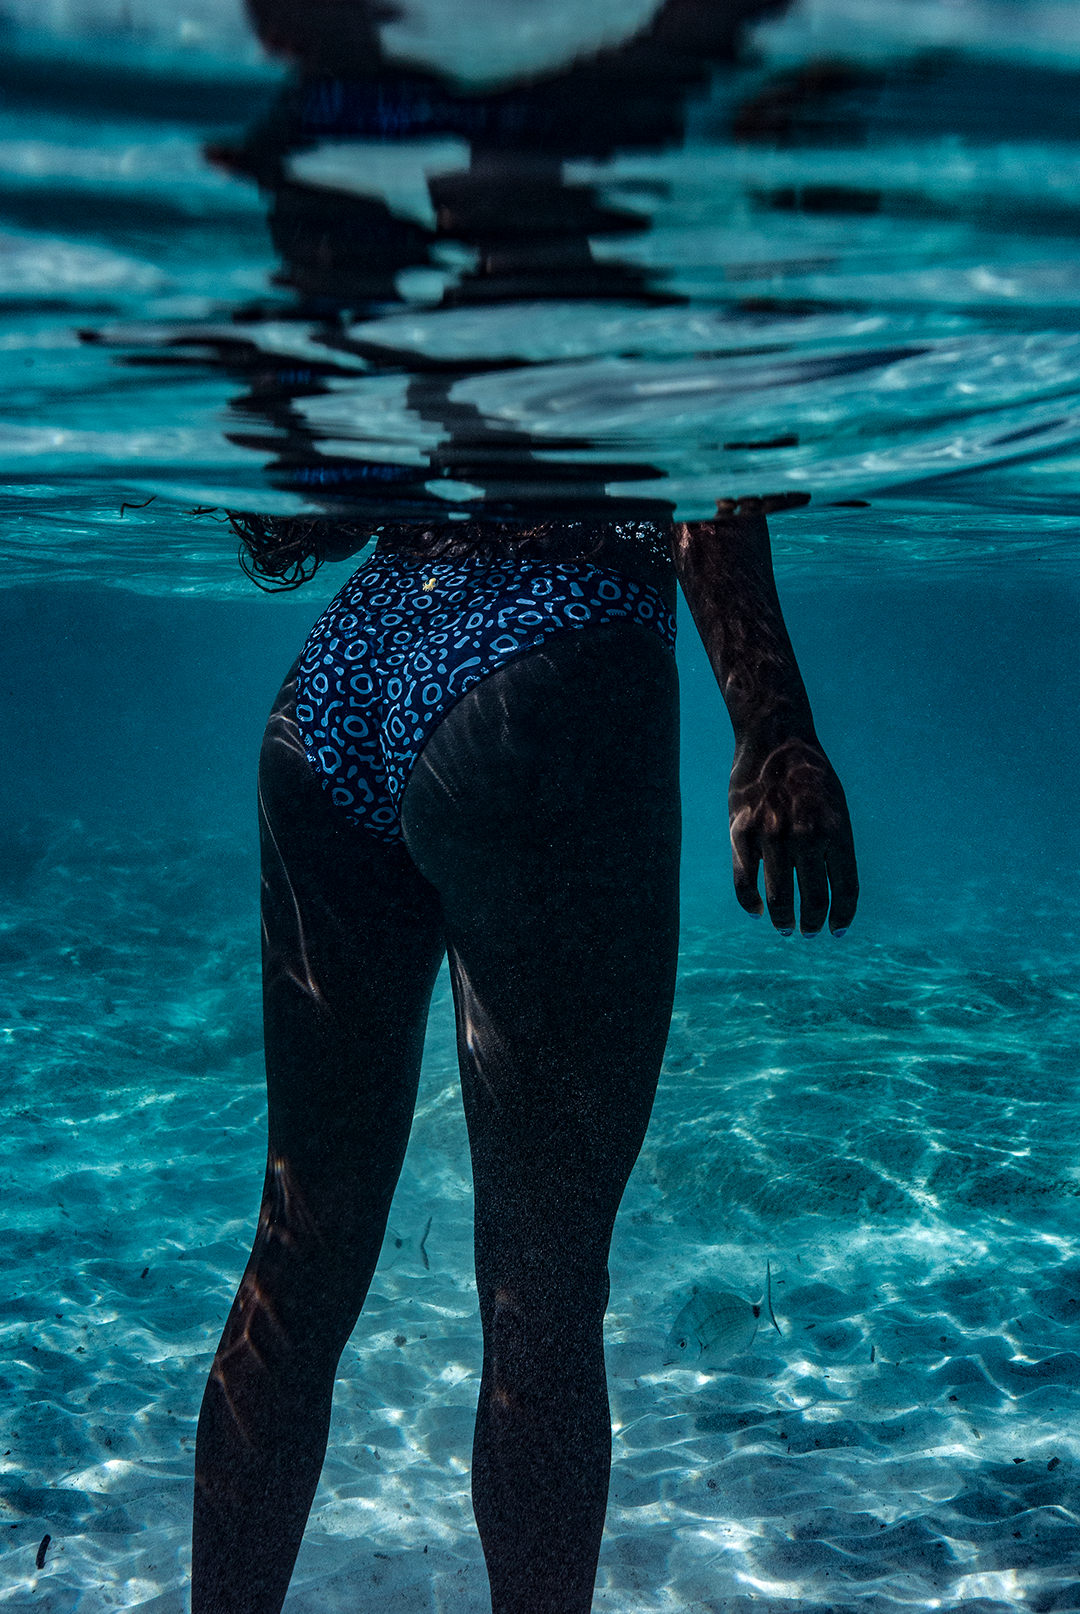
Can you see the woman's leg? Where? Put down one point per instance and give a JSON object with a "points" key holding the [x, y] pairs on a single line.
{"points": [[352, 941], [545, 812]]}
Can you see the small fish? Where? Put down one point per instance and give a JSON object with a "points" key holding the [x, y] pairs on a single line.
{"points": [[715, 1324], [423, 1241], [42, 1550]]}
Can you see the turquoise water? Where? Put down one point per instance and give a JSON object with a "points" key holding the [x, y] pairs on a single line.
{"points": [[883, 269]]}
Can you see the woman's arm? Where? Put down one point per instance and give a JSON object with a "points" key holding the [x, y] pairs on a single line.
{"points": [[785, 804]]}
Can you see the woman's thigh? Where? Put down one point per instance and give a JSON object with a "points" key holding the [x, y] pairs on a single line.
{"points": [[545, 812], [352, 942]]}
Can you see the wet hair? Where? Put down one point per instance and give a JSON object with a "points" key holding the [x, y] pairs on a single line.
{"points": [[280, 553]]}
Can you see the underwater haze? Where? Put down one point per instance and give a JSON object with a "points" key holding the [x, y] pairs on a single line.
{"points": [[835, 253]]}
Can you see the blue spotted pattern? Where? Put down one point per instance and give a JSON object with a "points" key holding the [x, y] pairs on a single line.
{"points": [[404, 640]]}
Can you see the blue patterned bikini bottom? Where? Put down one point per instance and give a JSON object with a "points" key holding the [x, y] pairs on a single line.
{"points": [[406, 639]]}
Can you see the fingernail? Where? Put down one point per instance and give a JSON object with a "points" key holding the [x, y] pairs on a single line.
{"points": [[808, 935], [841, 932], [788, 932]]}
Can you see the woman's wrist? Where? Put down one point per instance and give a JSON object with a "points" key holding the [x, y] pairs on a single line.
{"points": [[763, 730]]}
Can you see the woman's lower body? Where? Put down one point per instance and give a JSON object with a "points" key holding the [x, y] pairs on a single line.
{"points": [[540, 850]]}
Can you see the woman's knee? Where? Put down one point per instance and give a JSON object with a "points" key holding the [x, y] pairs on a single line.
{"points": [[550, 1287]]}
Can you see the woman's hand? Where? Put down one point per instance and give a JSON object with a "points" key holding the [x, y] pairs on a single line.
{"points": [[786, 805], [787, 810]]}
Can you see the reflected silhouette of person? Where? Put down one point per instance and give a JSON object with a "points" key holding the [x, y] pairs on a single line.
{"points": [[529, 230], [476, 756]]}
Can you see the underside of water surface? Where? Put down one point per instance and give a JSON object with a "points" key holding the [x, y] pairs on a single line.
{"points": [[839, 260]]}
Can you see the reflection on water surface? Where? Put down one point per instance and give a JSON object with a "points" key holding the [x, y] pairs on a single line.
{"points": [[651, 277]]}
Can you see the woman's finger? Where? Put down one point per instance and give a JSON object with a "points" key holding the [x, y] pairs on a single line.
{"points": [[813, 891], [844, 879], [779, 886], [745, 858]]}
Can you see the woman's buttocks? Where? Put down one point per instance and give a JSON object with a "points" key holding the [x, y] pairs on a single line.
{"points": [[409, 635]]}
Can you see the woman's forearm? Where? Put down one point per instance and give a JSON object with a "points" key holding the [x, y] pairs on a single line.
{"points": [[725, 570]]}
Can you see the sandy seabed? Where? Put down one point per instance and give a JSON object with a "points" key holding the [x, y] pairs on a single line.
{"points": [[892, 1126]]}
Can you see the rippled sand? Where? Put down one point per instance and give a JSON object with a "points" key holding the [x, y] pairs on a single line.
{"points": [[894, 1127]]}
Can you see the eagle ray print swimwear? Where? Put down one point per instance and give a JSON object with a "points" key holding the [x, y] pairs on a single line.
{"points": [[405, 640]]}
